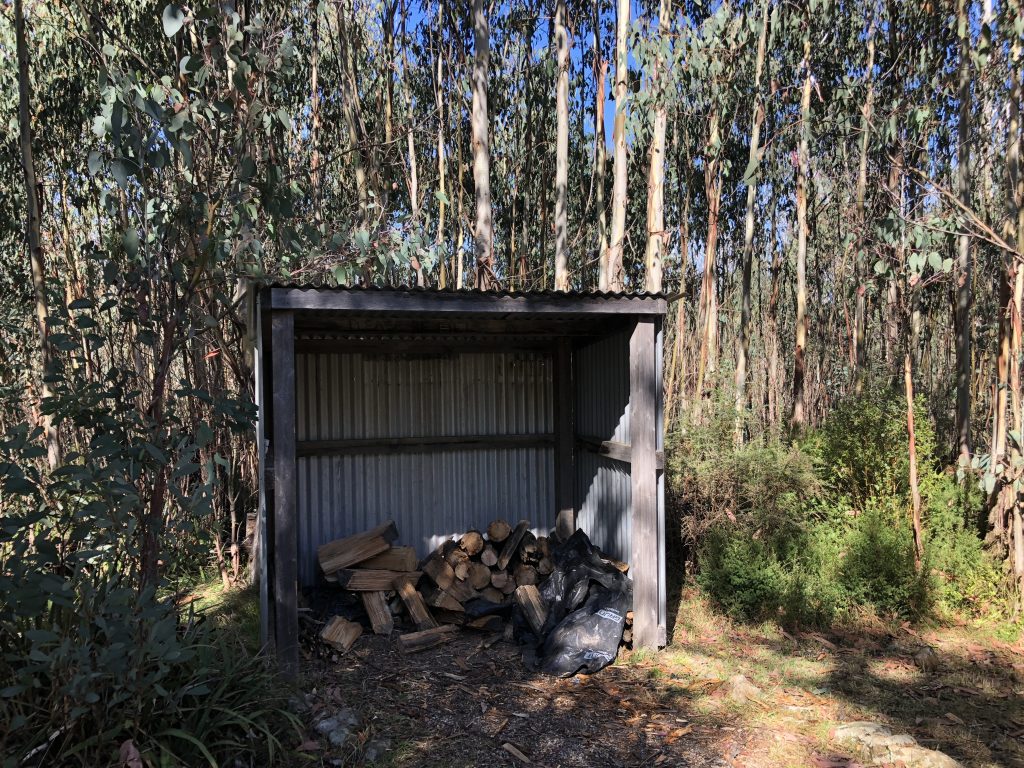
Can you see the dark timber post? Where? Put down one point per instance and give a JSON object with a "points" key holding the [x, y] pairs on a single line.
{"points": [[286, 614], [565, 441], [643, 386]]}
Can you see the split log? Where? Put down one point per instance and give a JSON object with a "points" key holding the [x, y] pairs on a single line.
{"points": [[544, 546], [414, 605], [341, 633], [489, 556], [472, 542], [627, 636], [492, 594], [528, 599], [498, 531], [438, 569], [428, 638], [487, 623], [459, 561], [510, 586], [438, 598], [526, 575], [394, 559], [618, 565], [376, 605], [367, 580], [528, 550], [342, 553], [545, 566], [512, 544], [479, 575], [444, 616]]}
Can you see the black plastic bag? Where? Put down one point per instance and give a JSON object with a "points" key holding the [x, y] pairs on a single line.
{"points": [[588, 638]]}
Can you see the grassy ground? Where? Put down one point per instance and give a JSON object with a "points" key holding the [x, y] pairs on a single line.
{"points": [[460, 704]]}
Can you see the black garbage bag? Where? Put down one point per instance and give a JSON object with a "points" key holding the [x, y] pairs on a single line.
{"points": [[576, 564], [587, 600], [588, 638]]}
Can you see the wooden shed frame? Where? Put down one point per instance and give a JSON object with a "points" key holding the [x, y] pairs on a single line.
{"points": [[554, 321]]}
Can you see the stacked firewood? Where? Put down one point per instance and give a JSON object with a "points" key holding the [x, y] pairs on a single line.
{"points": [[501, 565]]}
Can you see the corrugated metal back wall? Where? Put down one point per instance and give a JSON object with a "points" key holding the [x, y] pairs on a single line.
{"points": [[603, 489], [430, 495]]}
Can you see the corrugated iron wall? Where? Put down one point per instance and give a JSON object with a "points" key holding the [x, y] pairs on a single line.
{"points": [[431, 495], [603, 490]]}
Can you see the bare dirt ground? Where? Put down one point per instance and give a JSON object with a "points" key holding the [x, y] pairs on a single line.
{"points": [[473, 703]]}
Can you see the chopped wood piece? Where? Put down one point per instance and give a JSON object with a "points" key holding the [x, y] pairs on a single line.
{"points": [[394, 559], [376, 605], [498, 531], [342, 553], [489, 556], [444, 576], [428, 638], [414, 605], [444, 616], [492, 594], [487, 624], [438, 598], [526, 574], [516, 753], [510, 586], [512, 544], [340, 633], [627, 636], [459, 561], [500, 578], [528, 599], [479, 575], [528, 550], [629, 617], [616, 564], [544, 546], [472, 542], [367, 580], [545, 566]]}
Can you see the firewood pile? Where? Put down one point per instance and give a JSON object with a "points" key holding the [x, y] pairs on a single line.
{"points": [[473, 581]]}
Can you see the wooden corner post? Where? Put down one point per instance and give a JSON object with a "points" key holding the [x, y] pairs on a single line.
{"points": [[565, 441], [643, 389], [286, 609]]}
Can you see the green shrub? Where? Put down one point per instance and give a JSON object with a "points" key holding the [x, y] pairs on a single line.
{"points": [[811, 532]]}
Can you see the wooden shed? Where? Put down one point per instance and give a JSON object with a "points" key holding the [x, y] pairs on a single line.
{"points": [[442, 410]]}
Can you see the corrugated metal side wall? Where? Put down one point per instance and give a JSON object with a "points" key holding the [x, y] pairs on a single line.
{"points": [[603, 490], [431, 495]]}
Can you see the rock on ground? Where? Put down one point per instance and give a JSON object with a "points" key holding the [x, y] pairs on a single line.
{"points": [[878, 745]]}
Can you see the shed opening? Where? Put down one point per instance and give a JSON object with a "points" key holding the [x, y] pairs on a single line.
{"points": [[442, 410]]}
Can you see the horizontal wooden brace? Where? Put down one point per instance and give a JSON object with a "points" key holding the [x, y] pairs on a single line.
{"points": [[614, 450], [421, 444]]}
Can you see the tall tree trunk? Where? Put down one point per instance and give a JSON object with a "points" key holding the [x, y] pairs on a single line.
{"points": [[562, 151], [803, 161], [1015, 237], [861, 311], [314, 118], [657, 237], [34, 228], [915, 491], [708, 304], [753, 161], [963, 258], [611, 268], [413, 178], [442, 192], [483, 234], [600, 150], [352, 109]]}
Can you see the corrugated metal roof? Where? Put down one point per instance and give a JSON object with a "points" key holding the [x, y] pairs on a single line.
{"points": [[324, 285]]}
